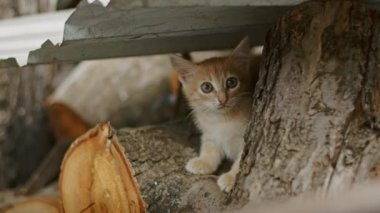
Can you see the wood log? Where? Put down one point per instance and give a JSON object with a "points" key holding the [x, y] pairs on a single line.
{"points": [[316, 106], [37, 204], [9, 198], [126, 92], [363, 199], [158, 155], [22, 94], [47, 171], [66, 124], [24, 123]]}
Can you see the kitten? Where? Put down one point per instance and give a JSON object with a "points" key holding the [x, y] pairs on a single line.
{"points": [[220, 92]]}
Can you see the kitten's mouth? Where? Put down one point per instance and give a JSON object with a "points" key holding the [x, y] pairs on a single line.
{"points": [[221, 107]]}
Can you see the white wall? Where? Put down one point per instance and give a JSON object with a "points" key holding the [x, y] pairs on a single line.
{"points": [[18, 36]]}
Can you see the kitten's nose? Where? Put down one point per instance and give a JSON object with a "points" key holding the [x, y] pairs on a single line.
{"points": [[222, 99]]}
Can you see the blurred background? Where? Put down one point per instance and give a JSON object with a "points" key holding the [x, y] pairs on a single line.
{"points": [[44, 107]]}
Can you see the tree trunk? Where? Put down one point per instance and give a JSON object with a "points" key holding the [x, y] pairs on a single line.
{"points": [[23, 122], [25, 134], [315, 123]]}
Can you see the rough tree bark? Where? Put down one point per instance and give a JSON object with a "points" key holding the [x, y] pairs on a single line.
{"points": [[315, 125], [23, 120], [158, 155], [23, 124]]}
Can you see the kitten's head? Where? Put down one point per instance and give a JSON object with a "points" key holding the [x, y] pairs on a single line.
{"points": [[217, 84]]}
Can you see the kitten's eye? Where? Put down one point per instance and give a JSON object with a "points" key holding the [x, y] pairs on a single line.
{"points": [[231, 82], [206, 87]]}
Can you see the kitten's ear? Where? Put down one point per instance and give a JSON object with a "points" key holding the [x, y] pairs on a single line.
{"points": [[242, 53], [184, 68]]}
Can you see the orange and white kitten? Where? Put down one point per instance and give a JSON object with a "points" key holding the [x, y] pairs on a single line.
{"points": [[220, 92]]}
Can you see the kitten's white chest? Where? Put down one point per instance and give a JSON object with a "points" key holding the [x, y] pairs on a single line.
{"points": [[227, 133]]}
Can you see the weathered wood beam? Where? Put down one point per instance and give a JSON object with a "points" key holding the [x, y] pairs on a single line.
{"points": [[96, 32], [8, 63], [65, 4]]}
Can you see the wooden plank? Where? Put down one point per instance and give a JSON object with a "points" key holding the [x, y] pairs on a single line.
{"points": [[65, 4], [8, 63], [20, 35], [154, 22], [95, 32]]}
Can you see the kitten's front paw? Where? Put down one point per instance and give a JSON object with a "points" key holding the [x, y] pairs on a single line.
{"points": [[200, 166], [226, 182]]}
